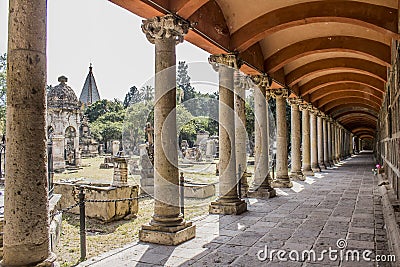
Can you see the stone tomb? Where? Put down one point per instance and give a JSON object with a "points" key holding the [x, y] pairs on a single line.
{"points": [[105, 211]]}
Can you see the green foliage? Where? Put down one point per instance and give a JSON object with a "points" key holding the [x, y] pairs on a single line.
{"points": [[135, 120], [3, 91], [101, 107]]}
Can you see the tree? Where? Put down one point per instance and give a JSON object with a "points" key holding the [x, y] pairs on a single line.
{"points": [[3, 91], [183, 81], [135, 120], [147, 93], [101, 107], [132, 97]]}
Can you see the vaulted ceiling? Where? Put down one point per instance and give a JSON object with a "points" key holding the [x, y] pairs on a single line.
{"points": [[334, 54]]}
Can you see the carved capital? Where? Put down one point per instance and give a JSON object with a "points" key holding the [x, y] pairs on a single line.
{"points": [[281, 92], [230, 60], [264, 81], [306, 106], [242, 80], [295, 101], [166, 26]]}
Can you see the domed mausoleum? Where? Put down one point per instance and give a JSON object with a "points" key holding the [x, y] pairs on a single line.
{"points": [[63, 121]]}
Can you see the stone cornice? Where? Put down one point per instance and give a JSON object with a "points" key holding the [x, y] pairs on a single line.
{"points": [[167, 26]]}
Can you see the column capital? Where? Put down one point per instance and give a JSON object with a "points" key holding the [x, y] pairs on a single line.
{"points": [[261, 80], [294, 101], [281, 92], [230, 60], [242, 80], [305, 106], [167, 26]]}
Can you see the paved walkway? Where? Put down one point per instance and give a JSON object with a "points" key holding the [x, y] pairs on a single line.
{"points": [[339, 203]]}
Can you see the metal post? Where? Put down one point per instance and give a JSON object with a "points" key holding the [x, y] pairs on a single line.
{"points": [[240, 182], [82, 222], [182, 193]]}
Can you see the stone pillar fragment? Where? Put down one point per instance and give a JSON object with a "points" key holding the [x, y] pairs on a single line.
{"points": [[282, 176], [295, 171], [228, 201], [306, 162], [261, 187], [320, 137], [314, 141], [26, 207], [167, 226], [241, 83]]}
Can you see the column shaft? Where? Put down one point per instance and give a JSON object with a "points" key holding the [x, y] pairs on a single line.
{"points": [[306, 150], [320, 136], [282, 177], [261, 187], [240, 132], [330, 142], [325, 138], [295, 171], [314, 142], [26, 208]]}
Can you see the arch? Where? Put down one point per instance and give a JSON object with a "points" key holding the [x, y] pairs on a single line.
{"points": [[347, 94], [356, 116], [342, 111], [354, 64], [377, 51], [350, 102], [337, 78], [384, 19], [343, 88], [185, 8]]}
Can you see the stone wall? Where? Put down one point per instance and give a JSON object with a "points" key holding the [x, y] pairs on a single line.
{"points": [[388, 135]]}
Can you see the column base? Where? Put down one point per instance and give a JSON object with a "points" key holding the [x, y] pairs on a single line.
{"points": [[308, 172], [263, 193], [228, 208], [316, 169], [282, 182], [322, 166], [298, 176], [170, 236], [49, 262]]}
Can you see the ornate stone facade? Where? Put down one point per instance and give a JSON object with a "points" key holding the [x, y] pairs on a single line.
{"points": [[63, 121]]}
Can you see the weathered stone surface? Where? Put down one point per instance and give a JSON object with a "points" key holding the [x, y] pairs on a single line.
{"points": [[234, 208], [171, 236], [108, 211]]}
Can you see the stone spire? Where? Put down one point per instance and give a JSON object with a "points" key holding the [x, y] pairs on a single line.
{"points": [[90, 93]]}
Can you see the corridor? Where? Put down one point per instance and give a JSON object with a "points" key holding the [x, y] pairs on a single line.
{"points": [[314, 215]]}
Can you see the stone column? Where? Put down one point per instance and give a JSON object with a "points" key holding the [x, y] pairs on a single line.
{"points": [[325, 138], [167, 226], [241, 83], [295, 171], [228, 201], [282, 176], [351, 145], [314, 141], [26, 207], [330, 141], [320, 137], [261, 187], [306, 163], [337, 144]]}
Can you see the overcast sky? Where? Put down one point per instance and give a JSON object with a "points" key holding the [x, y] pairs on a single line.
{"points": [[84, 31]]}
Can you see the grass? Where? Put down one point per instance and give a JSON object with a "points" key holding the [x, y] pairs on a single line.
{"points": [[102, 237]]}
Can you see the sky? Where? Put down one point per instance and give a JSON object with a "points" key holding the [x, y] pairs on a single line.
{"points": [[80, 32]]}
